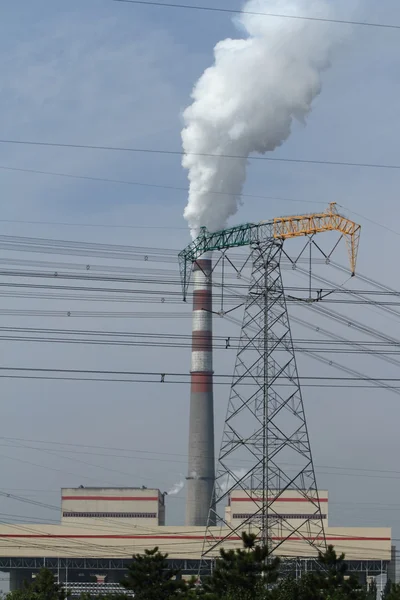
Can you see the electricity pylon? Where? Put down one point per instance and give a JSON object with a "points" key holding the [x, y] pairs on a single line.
{"points": [[265, 451]]}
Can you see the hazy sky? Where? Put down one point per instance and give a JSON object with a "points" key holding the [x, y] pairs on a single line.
{"points": [[105, 73]]}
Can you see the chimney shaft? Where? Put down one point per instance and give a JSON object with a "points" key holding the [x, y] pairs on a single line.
{"points": [[201, 475]]}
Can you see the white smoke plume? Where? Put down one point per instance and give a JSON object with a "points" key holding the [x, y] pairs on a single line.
{"points": [[176, 488], [226, 482], [247, 101]]}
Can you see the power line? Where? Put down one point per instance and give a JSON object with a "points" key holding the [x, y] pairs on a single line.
{"points": [[302, 347], [203, 154], [167, 278], [162, 378], [176, 382], [376, 305], [260, 14], [372, 221], [140, 184], [100, 179], [158, 186], [188, 375], [354, 471], [106, 226], [53, 452], [129, 454], [87, 249]]}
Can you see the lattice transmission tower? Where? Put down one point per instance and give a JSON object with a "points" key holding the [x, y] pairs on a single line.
{"points": [[265, 454]]}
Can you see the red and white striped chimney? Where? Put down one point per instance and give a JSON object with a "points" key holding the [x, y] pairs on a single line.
{"points": [[201, 469]]}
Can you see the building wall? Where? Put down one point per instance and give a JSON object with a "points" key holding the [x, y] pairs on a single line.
{"points": [[294, 511], [146, 506], [292, 507], [107, 540]]}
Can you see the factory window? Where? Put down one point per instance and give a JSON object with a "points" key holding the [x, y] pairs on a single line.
{"points": [[112, 515], [272, 516]]}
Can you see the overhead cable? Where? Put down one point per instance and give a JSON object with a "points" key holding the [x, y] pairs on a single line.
{"points": [[363, 165], [258, 13]]}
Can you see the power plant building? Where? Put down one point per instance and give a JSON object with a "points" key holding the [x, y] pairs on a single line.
{"points": [[142, 505], [292, 507], [101, 529]]}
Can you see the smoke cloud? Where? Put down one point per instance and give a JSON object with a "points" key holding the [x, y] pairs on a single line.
{"points": [[247, 101], [176, 488], [226, 482]]}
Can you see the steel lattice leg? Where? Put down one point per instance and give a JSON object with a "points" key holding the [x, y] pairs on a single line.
{"points": [[265, 458]]}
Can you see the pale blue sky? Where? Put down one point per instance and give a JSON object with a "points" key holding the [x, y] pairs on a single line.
{"points": [[103, 72], [99, 72]]}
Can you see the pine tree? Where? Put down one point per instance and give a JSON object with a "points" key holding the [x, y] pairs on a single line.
{"points": [[372, 593], [150, 578], [304, 588], [44, 587], [393, 592], [242, 574], [330, 582], [334, 578]]}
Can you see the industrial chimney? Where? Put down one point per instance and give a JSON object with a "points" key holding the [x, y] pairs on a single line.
{"points": [[201, 468]]}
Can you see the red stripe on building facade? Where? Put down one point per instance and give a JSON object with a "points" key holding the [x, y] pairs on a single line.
{"points": [[186, 537], [115, 498], [247, 499]]}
